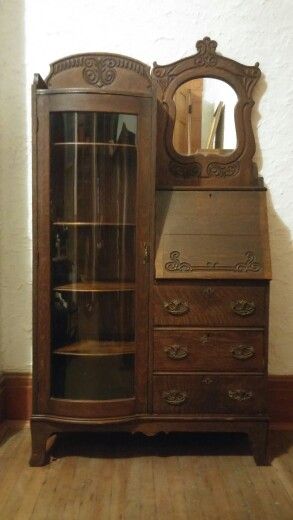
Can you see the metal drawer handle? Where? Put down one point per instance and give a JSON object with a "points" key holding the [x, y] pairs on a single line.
{"points": [[175, 397], [176, 307], [240, 395], [242, 352], [177, 351], [243, 307]]}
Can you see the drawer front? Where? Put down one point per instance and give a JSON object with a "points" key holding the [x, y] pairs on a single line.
{"points": [[209, 394], [209, 304], [225, 350]]}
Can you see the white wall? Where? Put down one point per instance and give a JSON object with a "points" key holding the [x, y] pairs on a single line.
{"points": [[37, 32]]}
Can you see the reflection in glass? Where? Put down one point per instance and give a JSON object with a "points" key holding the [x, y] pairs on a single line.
{"points": [[204, 120], [93, 217]]}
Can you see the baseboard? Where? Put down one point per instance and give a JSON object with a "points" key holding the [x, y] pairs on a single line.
{"points": [[17, 392], [18, 395]]}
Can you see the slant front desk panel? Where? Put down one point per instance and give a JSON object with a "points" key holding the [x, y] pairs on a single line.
{"points": [[151, 256]]}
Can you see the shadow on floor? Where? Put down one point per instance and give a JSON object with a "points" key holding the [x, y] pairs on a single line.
{"points": [[125, 445]]}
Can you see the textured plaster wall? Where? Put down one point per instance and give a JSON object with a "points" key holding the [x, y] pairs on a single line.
{"points": [[37, 32]]}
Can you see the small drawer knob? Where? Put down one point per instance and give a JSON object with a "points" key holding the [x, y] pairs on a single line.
{"points": [[208, 292], [177, 352], [243, 307], [175, 397], [242, 352], [207, 380], [176, 307]]}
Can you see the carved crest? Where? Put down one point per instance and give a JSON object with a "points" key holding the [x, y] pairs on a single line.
{"points": [[206, 52]]}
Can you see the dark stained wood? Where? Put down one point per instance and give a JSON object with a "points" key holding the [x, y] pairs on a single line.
{"points": [[100, 72], [202, 170], [208, 350], [213, 304], [209, 393], [209, 244], [218, 233]]}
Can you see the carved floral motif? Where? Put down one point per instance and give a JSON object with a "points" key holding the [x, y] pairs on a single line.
{"points": [[184, 171], [223, 170]]}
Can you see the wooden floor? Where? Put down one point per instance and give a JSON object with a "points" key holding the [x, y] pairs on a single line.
{"points": [[119, 476]]}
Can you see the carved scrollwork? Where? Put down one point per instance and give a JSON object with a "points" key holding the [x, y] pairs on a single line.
{"points": [[223, 170], [249, 265], [174, 397], [206, 52], [99, 71], [176, 307], [184, 171], [177, 351], [240, 395], [243, 307], [242, 352]]}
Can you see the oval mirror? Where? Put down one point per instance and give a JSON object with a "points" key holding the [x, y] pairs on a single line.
{"points": [[204, 120]]}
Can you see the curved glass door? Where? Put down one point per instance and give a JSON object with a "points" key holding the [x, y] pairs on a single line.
{"points": [[93, 242]]}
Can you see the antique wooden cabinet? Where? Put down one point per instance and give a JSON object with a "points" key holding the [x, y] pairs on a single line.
{"points": [[141, 323]]}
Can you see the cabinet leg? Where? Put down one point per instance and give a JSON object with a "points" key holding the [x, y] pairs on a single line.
{"points": [[39, 433], [259, 444]]}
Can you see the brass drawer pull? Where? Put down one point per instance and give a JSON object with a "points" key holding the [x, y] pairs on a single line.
{"points": [[175, 397], [243, 307], [177, 351], [176, 307], [240, 395], [242, 352], [207, 380]]}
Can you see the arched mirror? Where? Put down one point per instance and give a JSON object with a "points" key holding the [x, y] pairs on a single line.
{"points": [[205, 117], [204, 130]]}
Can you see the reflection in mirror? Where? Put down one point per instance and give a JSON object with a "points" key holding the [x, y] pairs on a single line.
{"points": [[204, 120]]}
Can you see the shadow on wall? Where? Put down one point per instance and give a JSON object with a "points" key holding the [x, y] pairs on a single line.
{"points": [[15, 240], [281, 296], [281, 300]]}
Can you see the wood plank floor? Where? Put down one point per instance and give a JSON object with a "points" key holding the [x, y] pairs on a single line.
{"points": [[119, 476]]}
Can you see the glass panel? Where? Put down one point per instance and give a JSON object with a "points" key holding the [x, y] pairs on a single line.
{"points": [[205, 121], [93, 217]]}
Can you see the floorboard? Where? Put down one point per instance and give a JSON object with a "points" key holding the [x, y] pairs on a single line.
{"points": [[133, 477]]}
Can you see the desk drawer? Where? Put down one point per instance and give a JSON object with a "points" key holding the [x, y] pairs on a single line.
{"points": [[209, 394], [210, 304], [208, 350]]}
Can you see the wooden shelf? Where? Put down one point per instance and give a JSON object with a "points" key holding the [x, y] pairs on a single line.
{"points": [[97, 348], [72, 223], [96, 287], [86, 143]]}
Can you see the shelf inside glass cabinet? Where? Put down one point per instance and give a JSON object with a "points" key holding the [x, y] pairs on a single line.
{"points": [[97, 348], [88, 143], [96, 287], [113, 224], [93, 254]]}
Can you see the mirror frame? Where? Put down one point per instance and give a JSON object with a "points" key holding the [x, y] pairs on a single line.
{"points": [[208, 169]]}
